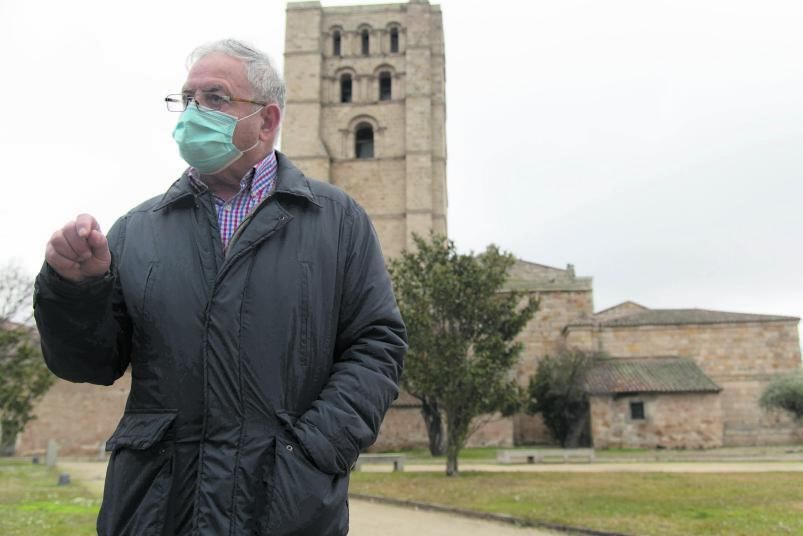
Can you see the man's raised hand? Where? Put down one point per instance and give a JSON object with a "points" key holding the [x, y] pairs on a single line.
{"points": [[79, 250]]}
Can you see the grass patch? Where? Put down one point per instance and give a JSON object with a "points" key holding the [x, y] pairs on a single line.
{"points": [[644, 504], [32, 503]]}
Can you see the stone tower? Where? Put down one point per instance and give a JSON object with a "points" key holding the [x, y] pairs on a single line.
{"points": [[366, 110]]}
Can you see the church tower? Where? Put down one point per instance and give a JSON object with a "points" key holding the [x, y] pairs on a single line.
{"points": [[366, 110]]}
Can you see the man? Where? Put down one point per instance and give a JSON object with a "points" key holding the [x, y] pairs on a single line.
{"points": [[255, 311]]}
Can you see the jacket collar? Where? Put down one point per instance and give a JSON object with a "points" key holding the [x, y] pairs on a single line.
{"points": [[289, 181]]}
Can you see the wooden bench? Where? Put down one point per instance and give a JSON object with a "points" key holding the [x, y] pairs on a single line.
{"points": [[540, 455], [396, 459]]}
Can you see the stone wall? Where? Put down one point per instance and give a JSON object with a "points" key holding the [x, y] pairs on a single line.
{"points": [[740, 357], [403, 187], [541, 337], [671, 421], [79, 416], [403, 427]]}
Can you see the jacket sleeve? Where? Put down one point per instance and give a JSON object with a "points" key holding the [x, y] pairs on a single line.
{"points": [[369, 353], [84, 328]]}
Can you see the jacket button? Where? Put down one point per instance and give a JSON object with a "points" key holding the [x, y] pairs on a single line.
{"points": [[289, 448]]}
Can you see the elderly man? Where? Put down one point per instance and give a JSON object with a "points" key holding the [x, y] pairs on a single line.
{"points": [[255, 311]]}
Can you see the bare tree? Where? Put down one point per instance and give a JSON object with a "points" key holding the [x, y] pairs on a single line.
{"points": [[24, 378], [16, 294]]}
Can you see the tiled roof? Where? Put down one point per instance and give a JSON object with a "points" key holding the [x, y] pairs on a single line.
{"points": [[648, 375], [662, 317]]}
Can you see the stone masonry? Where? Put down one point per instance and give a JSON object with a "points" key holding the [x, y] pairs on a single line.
{"points": [[741, 353], [667, 422], [402, 185], [79, 416]]}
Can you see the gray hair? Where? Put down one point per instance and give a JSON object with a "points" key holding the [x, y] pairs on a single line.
{"points": [[259, 69]]}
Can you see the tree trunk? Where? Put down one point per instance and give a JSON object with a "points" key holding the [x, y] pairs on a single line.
{"points": [[577, 432], [456, 433], [8, 439], [434, 424], [452, 451]]}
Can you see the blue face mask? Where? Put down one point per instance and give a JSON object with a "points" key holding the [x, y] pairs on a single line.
{"points": [[205, 139]]}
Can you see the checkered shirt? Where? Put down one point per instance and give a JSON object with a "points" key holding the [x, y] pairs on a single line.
{"points": [[254, 187]]}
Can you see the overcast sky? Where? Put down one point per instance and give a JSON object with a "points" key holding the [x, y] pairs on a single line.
{"points": [[655, 145]]}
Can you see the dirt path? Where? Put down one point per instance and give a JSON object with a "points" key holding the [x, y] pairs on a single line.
{"points": [[659, 467], [370, 519]]}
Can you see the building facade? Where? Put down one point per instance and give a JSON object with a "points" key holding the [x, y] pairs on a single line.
{"points": [[366, 110]]}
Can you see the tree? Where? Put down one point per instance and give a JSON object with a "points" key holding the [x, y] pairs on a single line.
{"points": [[461, 326], [24, 378], [785, 392], [556, 391]]}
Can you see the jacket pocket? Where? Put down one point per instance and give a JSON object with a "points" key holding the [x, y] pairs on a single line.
{"points": [[139, 476], [303, 500]]}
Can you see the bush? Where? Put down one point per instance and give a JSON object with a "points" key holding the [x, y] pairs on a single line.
{"points": [[785, 393]]}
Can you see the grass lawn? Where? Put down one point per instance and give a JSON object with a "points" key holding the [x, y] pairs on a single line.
{"points": [[643, 504], [31, 502]]}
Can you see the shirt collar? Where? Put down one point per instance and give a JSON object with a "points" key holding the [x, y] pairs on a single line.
{"points": [[255, 180]]}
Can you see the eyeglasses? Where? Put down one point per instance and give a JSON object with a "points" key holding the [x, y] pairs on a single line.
{"points": [[210, 100]]}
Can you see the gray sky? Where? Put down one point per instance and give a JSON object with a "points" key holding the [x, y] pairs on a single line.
{"points": [[656, 145]]}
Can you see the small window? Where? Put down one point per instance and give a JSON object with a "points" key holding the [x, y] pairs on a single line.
{"points": [[384, 85], [336, 44], [394, 39], [637, 411], [364, 141], [366, 49], [345, 88]]}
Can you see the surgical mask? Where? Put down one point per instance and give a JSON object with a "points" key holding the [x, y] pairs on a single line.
{"points": [[205, 139]]}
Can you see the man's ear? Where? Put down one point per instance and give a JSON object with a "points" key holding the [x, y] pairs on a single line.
{"points": [[271, 116]]}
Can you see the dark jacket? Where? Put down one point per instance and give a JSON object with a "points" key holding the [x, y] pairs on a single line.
{"points": [[258, 374]]}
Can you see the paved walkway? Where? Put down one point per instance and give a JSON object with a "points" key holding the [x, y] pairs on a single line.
{"points": [[653, 467], [370, 519]]}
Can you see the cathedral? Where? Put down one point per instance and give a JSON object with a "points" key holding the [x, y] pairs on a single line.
{"points": [[366, 111]]}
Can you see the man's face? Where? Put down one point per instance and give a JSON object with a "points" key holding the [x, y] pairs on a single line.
{"points": [[226, 75]]}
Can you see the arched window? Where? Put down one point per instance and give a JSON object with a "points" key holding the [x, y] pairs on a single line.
{"points": [[384, 85], [366, 49], [345, 88], [336, 43], [394, 39], [364, 141]]}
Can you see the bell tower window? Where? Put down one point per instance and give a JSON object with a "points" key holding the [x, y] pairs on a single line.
{"points": [[345, 88], [385, 85], [364, 141], [336, 43]]}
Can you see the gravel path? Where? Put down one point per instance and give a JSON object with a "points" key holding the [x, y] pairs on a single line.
{"points": [[370, 519], [652, 467]]}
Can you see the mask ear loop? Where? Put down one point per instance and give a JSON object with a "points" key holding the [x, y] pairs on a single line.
{"points": [[246, 117]]}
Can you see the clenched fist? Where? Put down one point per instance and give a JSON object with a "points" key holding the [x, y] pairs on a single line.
{"points": [[79, 251]]}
